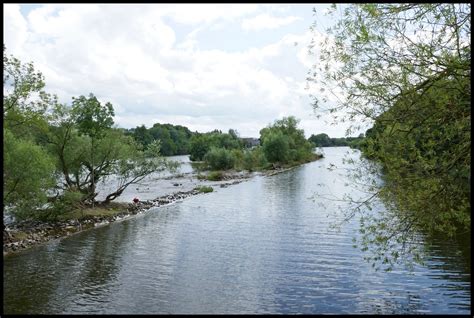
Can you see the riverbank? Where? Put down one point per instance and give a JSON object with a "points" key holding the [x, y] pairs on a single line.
{"points": [[23, 235]]}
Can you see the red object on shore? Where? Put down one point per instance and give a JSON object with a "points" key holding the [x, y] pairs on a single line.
{"points": [[135, 200]]}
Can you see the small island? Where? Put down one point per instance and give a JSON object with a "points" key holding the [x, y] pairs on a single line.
{"points": [[81, 149]]}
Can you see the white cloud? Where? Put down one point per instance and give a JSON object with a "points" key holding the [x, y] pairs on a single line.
{"points": [[15, 31], [265, 21], [155, 71], [207, 13]]}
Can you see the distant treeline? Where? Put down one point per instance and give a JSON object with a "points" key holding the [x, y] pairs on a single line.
{"points": [[179, 140], [174, 139], [280, 143], [323, 140]]}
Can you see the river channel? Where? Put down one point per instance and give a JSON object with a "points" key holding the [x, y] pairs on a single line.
{"points": [[260, 246]]}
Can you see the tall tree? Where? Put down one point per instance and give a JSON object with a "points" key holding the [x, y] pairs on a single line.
{"points": [[93, 119], [406, 68], [28, 170]]}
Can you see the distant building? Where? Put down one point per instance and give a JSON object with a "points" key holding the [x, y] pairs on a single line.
{"points": [[251, 142]]}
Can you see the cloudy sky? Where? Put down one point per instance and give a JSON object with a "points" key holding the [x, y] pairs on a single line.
{"points": [[204, 66]]}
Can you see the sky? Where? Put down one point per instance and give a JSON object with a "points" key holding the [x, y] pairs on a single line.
{"points": [[203, 66]]}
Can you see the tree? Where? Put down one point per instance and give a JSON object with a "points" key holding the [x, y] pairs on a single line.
{"points": [[136, 165], [285, 133], [143, 135], [233, 133], [115, 154], [92, 119], [406, 69], [24, 100], [276, 147], [219, 159], [379, 53], [28, 170], [320, 140], [54, 154], [28, 175], [199, 145], [174, 139]]}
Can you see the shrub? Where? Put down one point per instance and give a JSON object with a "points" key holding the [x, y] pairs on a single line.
{"points": [[219, 159], [238, 156], [65, 204], [248, 161], [215, 176], [204, 189], [201, 176], [276, 147], [198, 147]]}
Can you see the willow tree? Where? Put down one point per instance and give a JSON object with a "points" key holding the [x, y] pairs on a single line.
{"points": [[94, 120], [54, 154], [87, 151], [405, 69]]}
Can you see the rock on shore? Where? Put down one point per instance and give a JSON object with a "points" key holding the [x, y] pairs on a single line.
{"points": [[23, 235]]}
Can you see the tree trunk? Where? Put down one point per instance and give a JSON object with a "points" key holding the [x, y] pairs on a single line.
{"points": [[113, 196], [92, 172]]}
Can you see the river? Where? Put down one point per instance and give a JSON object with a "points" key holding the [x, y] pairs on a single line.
{"points": [[261, 246]]}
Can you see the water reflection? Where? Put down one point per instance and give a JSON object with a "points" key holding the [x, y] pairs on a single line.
{"points": [[64, 269], [257, 247]]}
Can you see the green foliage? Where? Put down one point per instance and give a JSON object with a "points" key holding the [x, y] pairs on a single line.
{"points": [[201, 176], [215, 176], [283, 142], [426, 158], [91, 117], [406, 68], [276, 147], [258, 157], [142, 135], [238, 155], [24, 100], [204, 189], [323, 140], [154, 149], [174, 139], [200, 144], [27, 176], [54, 150], [248, 161], [219, 159], [65, 204], [377, 52]]}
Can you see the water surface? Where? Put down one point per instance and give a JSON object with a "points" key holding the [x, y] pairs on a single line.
{"points": [[261, 246]]}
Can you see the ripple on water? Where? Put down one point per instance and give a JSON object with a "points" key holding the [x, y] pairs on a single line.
{"points": [[260, 246]]}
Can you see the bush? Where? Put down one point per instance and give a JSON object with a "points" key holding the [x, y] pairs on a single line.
{"points": [[238, 156], [219, 159], [201, 176], [66, 203], [28, 175], [248, 161], [198, 147], [204, 189], [215, 176], [276, 147], [254, 159]]}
